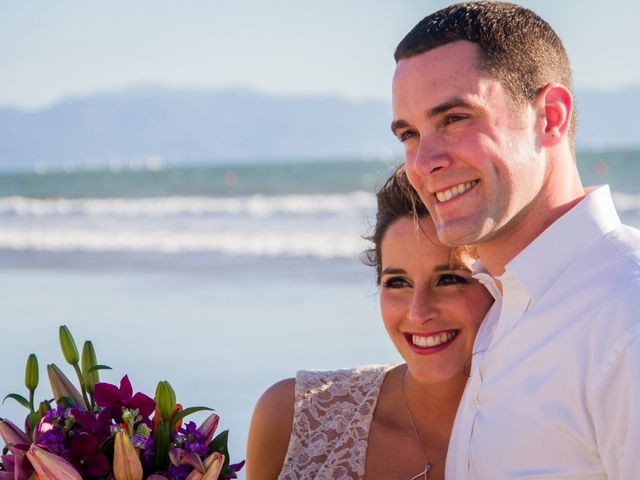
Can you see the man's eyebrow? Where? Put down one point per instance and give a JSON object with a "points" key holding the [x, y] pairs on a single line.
{"points": [[397, 125], [456, 102], [435, 111]]}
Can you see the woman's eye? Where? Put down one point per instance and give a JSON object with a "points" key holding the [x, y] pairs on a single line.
{"points": [[396, 282], [451, 279]]}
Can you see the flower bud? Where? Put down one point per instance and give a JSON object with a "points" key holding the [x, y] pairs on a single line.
{"points": [[89, 360], [68, 346], [12, 435], [50, 466], [126, 462], [143, 430], [213, 466], [44, 407], [208, 427], [165, 400], [31, 373], [61, 386]]}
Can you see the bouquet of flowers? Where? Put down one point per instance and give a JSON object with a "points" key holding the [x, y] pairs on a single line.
{"points": [[104, 431]]}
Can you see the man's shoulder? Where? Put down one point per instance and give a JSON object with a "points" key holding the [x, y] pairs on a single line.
{"points": [[602, 284], [614, 258], [626, 240]]}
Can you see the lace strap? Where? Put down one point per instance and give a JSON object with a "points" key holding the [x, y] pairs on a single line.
{"points": [[332, 416]]}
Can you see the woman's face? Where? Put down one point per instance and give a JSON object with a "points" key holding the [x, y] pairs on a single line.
{"points": [[430, 305]]}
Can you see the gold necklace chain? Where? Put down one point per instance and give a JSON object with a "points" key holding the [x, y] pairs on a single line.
{"points": [[427, 466]]}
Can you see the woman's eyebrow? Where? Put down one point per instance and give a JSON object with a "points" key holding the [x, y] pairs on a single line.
{"points": [[448, 267], [392, 271]]}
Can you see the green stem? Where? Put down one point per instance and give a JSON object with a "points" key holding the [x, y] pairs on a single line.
{"points": [[82, 387], [31, 392]]}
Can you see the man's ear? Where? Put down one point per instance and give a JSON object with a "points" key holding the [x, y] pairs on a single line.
{"points": [[555, 107]]}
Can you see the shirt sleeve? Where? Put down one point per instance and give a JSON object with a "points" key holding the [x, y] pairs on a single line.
{"points": [[616, 408]]}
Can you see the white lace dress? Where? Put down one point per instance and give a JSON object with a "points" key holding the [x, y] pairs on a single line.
{"points": [[332, 416]]}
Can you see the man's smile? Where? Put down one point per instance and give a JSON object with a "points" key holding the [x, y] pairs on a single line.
{"points": [[454, 191]]}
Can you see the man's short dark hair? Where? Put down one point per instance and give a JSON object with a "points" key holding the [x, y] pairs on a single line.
{"points": [[517, 47]]}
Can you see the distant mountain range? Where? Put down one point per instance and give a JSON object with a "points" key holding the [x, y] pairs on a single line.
{"points": [[152, 125]]}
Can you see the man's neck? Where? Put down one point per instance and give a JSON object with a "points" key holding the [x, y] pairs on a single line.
{"points": [[555, 201]]}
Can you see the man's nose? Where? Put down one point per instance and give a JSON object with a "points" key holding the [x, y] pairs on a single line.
{"points": [[430, 157]]}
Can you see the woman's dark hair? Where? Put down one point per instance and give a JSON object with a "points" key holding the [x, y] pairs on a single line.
{"points": [[396, 199]]}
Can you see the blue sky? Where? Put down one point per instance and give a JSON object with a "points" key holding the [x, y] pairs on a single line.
{"points": [[50, 50]]}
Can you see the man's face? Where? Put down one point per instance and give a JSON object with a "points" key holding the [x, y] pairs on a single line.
{"points": [[470, 152]]}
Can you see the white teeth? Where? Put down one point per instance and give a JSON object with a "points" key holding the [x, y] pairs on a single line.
{"points": [[454, 191], [432, 340]]}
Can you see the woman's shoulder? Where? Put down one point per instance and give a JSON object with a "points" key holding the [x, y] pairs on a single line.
{"points": [[270, 431], [274, 408], [278, 395], [342, 382]]}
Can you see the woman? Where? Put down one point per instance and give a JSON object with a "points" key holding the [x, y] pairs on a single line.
{"points": [[383, 422]]}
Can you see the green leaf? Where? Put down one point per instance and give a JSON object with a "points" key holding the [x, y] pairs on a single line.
{"points": [[187, 411], [107, 446], [32, 420], [162, 439], [219, 444], [66, 402], [95, 368], [44, 407], [18, 398]]}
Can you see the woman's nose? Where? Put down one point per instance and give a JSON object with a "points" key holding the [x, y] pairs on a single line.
{"points": [[423, 308]]}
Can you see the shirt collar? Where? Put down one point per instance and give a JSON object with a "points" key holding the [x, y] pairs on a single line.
{"points": [[480, 273], [542, 261]]}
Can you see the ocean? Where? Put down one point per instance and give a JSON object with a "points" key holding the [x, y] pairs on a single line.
{"points": [[220, 279]]}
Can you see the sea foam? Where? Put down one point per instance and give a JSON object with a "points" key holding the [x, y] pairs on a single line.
{"points": [[254, 205]]}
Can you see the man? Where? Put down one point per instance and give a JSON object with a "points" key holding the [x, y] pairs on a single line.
{"points": [[482, 103]]}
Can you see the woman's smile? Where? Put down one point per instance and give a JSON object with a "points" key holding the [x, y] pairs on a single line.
{"points": [[432, 343]]}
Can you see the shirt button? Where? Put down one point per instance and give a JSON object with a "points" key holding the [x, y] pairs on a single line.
{"points": [[472, 404]]}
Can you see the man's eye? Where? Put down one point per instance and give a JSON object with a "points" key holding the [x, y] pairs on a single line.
{"points": [[406, 135], [453, 118], [396, 282], [451, 279]]}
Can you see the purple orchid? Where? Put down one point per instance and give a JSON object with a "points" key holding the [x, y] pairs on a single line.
{"points": [[77, 436], [85, 455], [190, 439], [114, 400], [232, 470]]}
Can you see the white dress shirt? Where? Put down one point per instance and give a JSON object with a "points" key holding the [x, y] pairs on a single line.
{"points": [[554, 390]]}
